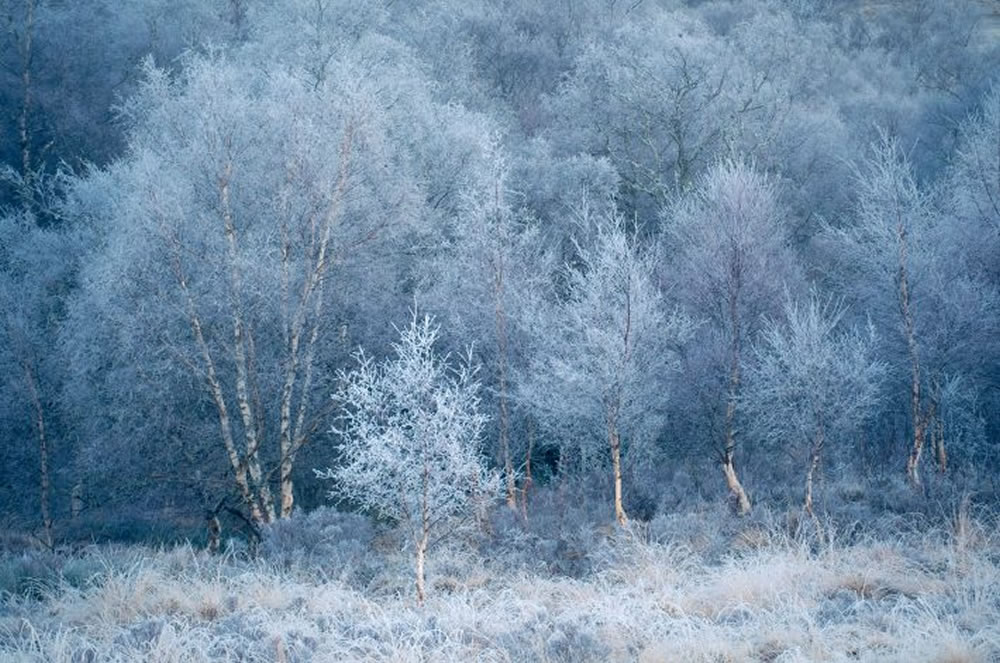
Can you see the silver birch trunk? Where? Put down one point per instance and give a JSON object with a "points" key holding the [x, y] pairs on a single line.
{"points": [[216, 392], [906, 312], [736, 490], [616, 468], [43, 454], [240, 352], [291, 439]]}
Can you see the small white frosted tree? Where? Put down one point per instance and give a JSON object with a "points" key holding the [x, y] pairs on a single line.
{"points": [[809, 382], [411, 429]]}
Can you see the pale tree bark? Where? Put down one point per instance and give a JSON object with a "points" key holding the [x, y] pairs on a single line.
{"points": [[733, 483], [906, 312], [291, 438], [215, 388], [614, 406], [814, 456], [19, 341], [528, 479], [736, 490], [936, 426], [301, 332], [423, 537], [292, 334], [421, 557], [240, 351], [31, 382], [616, 467], [814, 459], [735, 357]]}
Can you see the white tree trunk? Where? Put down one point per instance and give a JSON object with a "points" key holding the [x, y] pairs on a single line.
{"points": [[736, 490], [216, 392], [421, 581], [292, 438], [43, 454], [906, 312], [240, 353], [814, 455], [735, 487], [616, 467]]}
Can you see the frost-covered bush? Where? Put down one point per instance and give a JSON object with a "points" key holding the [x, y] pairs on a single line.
{"points": [[338, 542]]}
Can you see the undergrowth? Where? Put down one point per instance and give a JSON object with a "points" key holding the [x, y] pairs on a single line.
{"points": [[694, 586]]}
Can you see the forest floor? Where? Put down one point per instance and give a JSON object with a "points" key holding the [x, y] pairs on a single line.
{"points": [[694, 586]]}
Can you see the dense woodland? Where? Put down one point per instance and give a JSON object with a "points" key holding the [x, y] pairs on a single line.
{"points": [[650, 251]]}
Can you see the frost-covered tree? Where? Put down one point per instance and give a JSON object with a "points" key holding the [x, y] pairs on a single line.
{"points": [[888, 258], [236, 233], [481, 280], [607, 344], [808, 383], [312, 35], [787, 84], [290, 172], [410, 429], [974, 183], [729, 257], [961, 338], [36, 271], [64, 65], [652, 100]]}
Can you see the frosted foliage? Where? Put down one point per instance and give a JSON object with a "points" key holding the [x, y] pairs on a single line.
{"points": [[808, 377], [889, 205], [32, 273], [258, 204], [962, 424], [612, 338], [652, 96], [732, 246], [34, 266], [493, 256], [642, 216], [410, 429], [975, 186]]}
